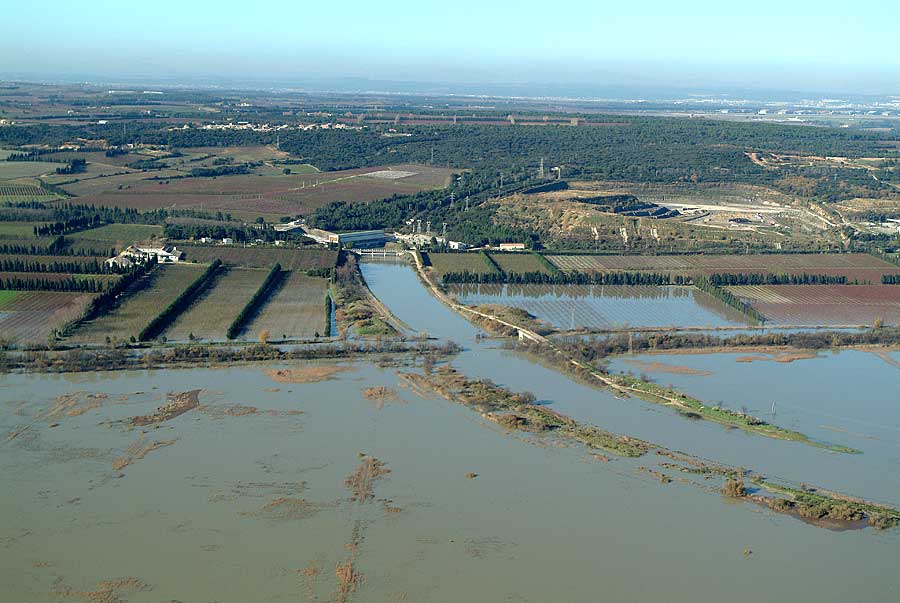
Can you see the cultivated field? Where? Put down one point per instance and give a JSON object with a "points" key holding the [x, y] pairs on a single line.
{"points": [[23, 192], [209, 317], [32, 316], [519, 262], [824, 304], [143, 302], [267, 192], [18, 230], [443, 263], [262, 257], [128, 233], [297, 310], [10, 170], [852, 265]]}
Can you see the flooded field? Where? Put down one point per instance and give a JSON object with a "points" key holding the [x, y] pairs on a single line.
{"points": [[606, 306], [269, 491], [339, 482]]}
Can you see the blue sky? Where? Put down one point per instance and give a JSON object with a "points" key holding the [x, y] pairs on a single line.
{"points": [[821, 45]]}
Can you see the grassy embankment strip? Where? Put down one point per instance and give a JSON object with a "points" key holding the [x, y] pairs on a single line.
{"points": [[692, 406], [684, 404], [256, 302], [729, 299], [180, 303], [818, 504], [518, 411]]}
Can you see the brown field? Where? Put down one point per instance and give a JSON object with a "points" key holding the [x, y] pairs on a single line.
{"points": [[143, 301], [263, 193], [519, 262], [120, 233], [32, 316], [852, 265], [458, 262], [262, 257], [297, 310], [209, 317], [824, 304]]}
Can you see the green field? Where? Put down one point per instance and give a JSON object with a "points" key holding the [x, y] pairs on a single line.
{"points": [[7, 297], [209, 317], [443, 263], [10, 170], [296, 311], [143, 302], [125, 233], [18, 230]]}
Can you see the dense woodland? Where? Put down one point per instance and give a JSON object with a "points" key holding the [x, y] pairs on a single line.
{"points": [[631, 148]]}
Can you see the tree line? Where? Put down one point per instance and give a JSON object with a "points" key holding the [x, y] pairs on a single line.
{"points": [[181, 303], [249, 311], [94, 266], [72, 283]]}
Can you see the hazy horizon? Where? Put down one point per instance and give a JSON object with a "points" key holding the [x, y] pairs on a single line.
{"points": [[700, 45]]}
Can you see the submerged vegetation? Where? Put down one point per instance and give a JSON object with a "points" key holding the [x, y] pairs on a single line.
{"points": [[519, 411]]}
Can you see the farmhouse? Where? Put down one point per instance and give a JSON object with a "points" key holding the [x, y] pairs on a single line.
{"points": [[133, 255], [512, 246]]}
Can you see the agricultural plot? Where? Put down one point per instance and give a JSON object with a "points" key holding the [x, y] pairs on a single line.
{"points": [[519, 262], [10, 170], [209, 317], [143, 301], [262, 257], [443, 263], [127, 233], [30, 317], [852, 265], [23, 192], [296, 311], [18, 230], [606, 307], [267, 192], [824, 304]]}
